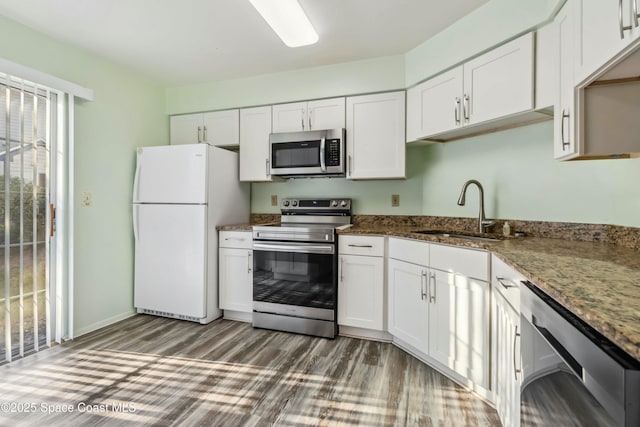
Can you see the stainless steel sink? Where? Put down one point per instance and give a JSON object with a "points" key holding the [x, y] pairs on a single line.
{"points": [[454, 235]]}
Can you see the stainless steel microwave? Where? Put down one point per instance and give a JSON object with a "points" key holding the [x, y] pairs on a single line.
{"points": [[308, 153]]}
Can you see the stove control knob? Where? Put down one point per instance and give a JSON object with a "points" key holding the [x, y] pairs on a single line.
{"points": [[294, 203], [285, 203], [334, 203], [343, 204]]}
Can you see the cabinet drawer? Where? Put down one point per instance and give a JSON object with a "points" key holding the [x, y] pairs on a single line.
{"points": [[235, 239], [412, 251], [468, 262], [361, 245], [506, 281]]}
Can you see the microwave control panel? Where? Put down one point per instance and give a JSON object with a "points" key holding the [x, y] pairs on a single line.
{"points": [[332, 155]]}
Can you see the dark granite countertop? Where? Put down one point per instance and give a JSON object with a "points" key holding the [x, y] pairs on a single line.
{"points": [[597, 281]]}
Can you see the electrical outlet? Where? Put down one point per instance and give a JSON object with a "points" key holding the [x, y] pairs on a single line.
{"points": [[274, 200], [87, 199], [395, 200]]}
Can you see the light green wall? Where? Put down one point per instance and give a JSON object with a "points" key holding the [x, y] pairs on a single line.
{"points": [[373, 75], [369, 197], [128, 111], [521, 180]]}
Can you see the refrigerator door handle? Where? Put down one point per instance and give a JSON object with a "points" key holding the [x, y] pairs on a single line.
{"points": [[136, 179], [135, 222]]}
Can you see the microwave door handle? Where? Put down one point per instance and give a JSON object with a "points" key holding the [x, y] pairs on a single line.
{"points": [[323, 165]]}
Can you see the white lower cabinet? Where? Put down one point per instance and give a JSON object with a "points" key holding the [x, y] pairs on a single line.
{"points": [[459, 324], [440, 307], [506, 332], [361, 282], [235, 271], [506, 338], [408, 305]]}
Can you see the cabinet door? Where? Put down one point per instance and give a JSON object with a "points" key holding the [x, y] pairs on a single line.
{"points": [[565, 146], [290, 117], [361, 292], [326, 114], [408, 303], [186, 129], [598, 33], [222, 128], [459, 324], [507, 364], [435, 106], [500, 82], [375, 131], [255, 127], [235, 279]]}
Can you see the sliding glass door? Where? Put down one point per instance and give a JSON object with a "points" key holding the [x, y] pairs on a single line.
{"points": [[27, 121]]}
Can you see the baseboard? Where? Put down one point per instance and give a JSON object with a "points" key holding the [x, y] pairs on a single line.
{"points": [[239, 316], [101, 324], [367, 334]]}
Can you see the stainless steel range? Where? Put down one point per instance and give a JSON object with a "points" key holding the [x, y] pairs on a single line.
{"points": [[295, 267]]}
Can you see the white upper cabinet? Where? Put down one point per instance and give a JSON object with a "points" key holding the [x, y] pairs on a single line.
{"points": [[311, 115], [255, 127], [565, 146], [495, 85], [603, 29], [376, 136], [222, 128], [186, 129], [500, 82], [219, 128], [434, 106]]}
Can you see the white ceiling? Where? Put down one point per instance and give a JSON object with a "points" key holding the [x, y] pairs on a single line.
{"points": [[179, 42]]}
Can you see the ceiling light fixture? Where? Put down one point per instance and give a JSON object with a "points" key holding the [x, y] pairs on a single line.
{"points": [[288, 20]]}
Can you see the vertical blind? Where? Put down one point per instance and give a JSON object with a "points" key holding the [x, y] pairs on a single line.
{"points": [[27, 112]]}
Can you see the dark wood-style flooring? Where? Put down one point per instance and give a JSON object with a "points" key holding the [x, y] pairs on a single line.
{"points": [[155, 371]]}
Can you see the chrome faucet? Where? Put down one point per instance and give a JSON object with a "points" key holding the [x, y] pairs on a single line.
{"points": [[483, 223]]}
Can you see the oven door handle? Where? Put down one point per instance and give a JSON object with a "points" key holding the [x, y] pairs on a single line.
{"points": [[288, 247]]}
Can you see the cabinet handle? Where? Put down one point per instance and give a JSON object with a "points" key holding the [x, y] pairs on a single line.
{"points": [[359, 246], [204, 134], [423, 292], [636, 15], [302, 117], [249, 262], [623, 27], [349, 164], [565, 144], [466, 107], [432, 296], [456, 110], [341, 269], [239, 239], [516, 335], [504, 285], [199, 135], [310, 119], [266, 162]]}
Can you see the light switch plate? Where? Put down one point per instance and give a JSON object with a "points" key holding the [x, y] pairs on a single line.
{"points": [[395, 200]]}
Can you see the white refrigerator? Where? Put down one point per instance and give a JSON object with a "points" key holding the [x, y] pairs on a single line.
{"points": [[180, 194]]}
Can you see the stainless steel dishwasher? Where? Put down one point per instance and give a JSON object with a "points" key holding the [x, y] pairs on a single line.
{"points": [[572, 374]]}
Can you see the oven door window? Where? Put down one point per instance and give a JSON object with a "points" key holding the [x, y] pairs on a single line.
{"points": [[286, 274], [295, 154]]}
